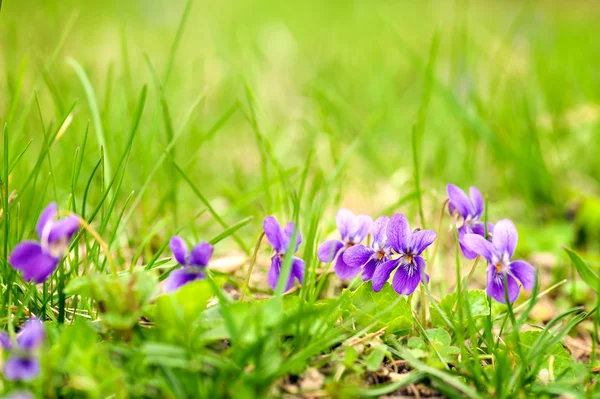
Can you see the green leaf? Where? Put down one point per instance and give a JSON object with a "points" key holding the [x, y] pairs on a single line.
{"points": [[177, 312], [438, 337], [375, 358], [586, 273], [478, 306], [383, 308], [562, 364]]}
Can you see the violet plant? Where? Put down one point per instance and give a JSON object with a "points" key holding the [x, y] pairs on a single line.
{"points": [[353, 230], [467, 211], [23, 363], [409, 265], [280, 240], [370, 257], [193, 263], [499, 253], [38, 260]]}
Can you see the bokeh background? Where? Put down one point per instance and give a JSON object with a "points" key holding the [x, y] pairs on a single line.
{"points": [[511, 93]]}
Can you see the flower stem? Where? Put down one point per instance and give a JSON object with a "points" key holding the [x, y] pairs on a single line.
{"points": [[424, 303], [252, 262]]}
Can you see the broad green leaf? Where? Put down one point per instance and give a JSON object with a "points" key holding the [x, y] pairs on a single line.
{"points": [[185, 304], [383, 308], [586, 273], [375, 358], [478, 306], [562, 365]]}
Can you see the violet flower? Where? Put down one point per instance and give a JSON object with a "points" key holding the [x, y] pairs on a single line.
{"points": [[369, 258], [193, 263], [410, 265], [19, 395], [498, 254], [23, 363], [468, 211], [36, 260], [280, 241], [353, 230]]}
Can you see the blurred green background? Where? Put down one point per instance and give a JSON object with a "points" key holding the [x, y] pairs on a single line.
{"points": [[512, 103]]}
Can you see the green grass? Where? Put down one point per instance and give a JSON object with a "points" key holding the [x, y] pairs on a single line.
{"points": [[197, 118]]}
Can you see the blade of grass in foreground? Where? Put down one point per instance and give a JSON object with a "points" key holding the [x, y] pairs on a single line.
{"points": [[91, 97], [210, 208]]}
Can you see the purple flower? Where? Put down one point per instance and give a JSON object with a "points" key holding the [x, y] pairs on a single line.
{"points": [[193, 263], [410, 265], [19, 395], [22, 363], [36, 260], [280, 241], [468, 211], [499, 253], [353, 230], [370, 257]]}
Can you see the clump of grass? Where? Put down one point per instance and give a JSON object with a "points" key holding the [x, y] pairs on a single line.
{"points": [[208, 124]]}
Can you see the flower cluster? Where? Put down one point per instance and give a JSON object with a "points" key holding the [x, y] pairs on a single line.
{"points": [[497, 247], [395, 247], [23, 362]]}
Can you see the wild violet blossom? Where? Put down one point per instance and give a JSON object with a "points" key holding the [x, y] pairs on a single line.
{"points": [[369, 258], [280, 241], [468, 211], [23, 363], [498, 254], [36, 260], [409, 265], [193, 263], [353, 230]]}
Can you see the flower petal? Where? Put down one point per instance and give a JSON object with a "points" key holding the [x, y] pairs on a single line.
{"points": [[29, 258], [274, 234], [479, 245], [343, 270], [505, 237], [48, 215], [459, 200], [274, 271], [298, 269], [179, 249], [382, 273], [467, 253], [408, 277], [421, 240], [201, 254], [476, 200], [357, 255], [495, 286], [329, 249], [64, 229], [364, 227], [287, 236], [379, 232], [347, 223], [181, 277], [369, 269], [32, 334], [5, 340], [479, 229], [21, 368], [398, 233], [524, 272]]}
